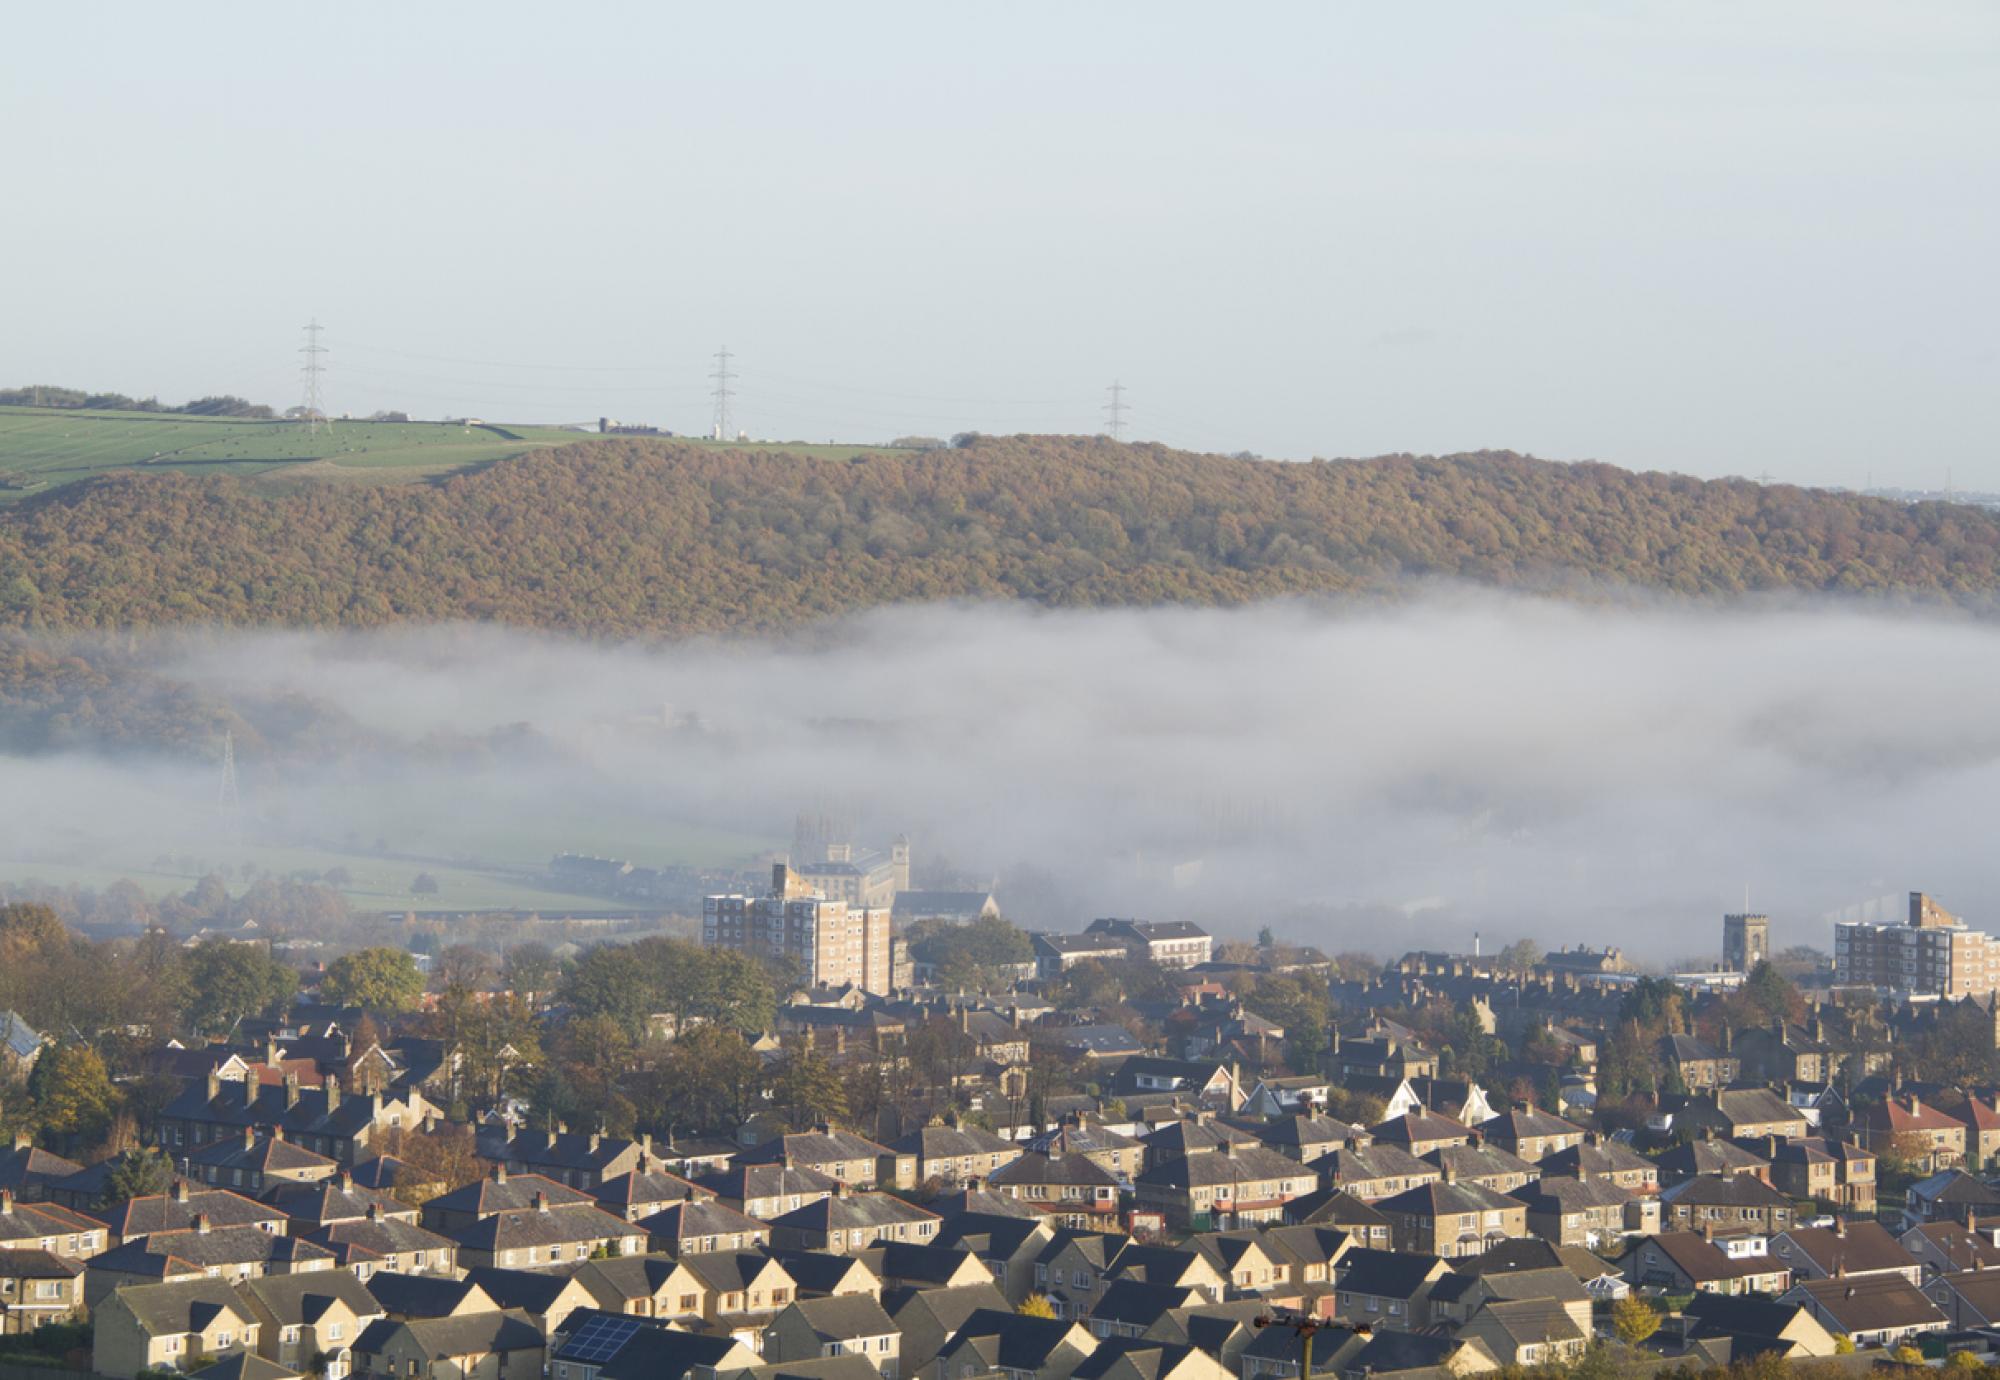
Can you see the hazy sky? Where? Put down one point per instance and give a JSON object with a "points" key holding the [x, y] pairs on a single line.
{"points": [[1712, 238]]}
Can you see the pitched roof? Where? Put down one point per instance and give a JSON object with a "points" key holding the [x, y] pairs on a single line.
{"points": [[183, 1306], [1734, 1190], [548, 1227], [693, 1220], [1448, 1200], [504, 1192], [1530, 1322], [1242, 1164], [18, 1037], [1701, 1260], [304, 1298], [845, 1211], [844, 1316], [418, 1296], [1873, 1303], [159, 1212], [1034, 1167], [245, 1365], [951, 1142], [472, 1334], [1853, 1248], [1385, 1274]]}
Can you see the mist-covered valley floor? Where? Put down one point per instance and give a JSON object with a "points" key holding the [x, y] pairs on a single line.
{"points": [[1381, 777]]}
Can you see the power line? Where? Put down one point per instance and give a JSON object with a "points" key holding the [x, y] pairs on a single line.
{"points": [[312, 368], [1115, 410], [722, 393]]}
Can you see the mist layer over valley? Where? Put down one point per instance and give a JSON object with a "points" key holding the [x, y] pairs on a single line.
{"points": [[1381, 777]]}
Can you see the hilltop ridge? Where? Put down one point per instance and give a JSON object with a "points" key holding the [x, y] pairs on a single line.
{"points": [[662, 537]]}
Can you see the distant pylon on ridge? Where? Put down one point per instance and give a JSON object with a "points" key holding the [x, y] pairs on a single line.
{"points": [[312, 369], [1115, 411], [722, 392]]}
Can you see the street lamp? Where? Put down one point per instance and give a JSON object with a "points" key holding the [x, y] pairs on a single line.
{"points": [[1305, 1326]]}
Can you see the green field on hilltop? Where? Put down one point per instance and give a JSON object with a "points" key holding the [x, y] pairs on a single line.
{"points": [[45, 448], [41, 449]]}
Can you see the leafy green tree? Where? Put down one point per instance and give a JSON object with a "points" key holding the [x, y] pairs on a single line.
{"points": [[1634, 1320], [230, 981], [530, 969], [381, 979], [72, 1091], [138, 1174], [806, 1090], [1519, 957], [708, 1080], [1773, 997], [606, 981], [974, 957]]}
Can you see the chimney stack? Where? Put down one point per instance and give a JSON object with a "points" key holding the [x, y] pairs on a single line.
{"points": [[214, 1085], [180, 1190], [201, 1223], [249, 1138], [6, 1202], [541, 1201], [291, 1090], [332, 1093], [499, 1173]]}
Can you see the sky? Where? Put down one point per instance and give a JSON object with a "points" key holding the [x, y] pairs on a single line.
{"points": [[1708, 238]]}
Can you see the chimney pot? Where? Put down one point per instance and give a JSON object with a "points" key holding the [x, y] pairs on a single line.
{"points": [[180, 1190], [499, 1173], [201, 1223]]}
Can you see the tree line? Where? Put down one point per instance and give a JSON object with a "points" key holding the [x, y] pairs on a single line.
{"points": [[640, 536]]}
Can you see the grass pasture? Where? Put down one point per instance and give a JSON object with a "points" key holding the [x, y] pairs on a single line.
{"points": [[44, 448]]}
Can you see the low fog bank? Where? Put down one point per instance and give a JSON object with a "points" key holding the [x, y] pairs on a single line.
{"points": [[1383, 777]]}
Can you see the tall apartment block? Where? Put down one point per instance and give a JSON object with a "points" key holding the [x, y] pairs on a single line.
{"points": [[832, 942], [1746, 941], [1933, 953]]}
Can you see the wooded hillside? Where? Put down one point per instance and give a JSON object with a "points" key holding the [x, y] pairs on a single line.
{"points": [[659, 537]]}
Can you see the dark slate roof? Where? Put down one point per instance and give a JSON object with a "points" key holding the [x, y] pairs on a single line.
{"points": [[266, 1106], [38, 1264], [1517, 1253], [1878, 1301], [1532, 1321], [379, 1236], [303, 1298], [443, 1338], [844, 1211], [1445, 1200], [1020, 1343], [245, 1365], [1037, 1168], [1389, 1352], [1150, 1358], [814, 1147], [914, 1262], [1606, 1157], [169, 1212], [743, 1182], [1360, 1164], [511, 1193], [990, 1234], [950, 1142], [1386, 1274], [1140, 1304], [551, 1227], [1754, 1315], [183, 1306], [1853, 1248], [1335, 1208], [1311, 1135], [1735, 1190], [30, 1165], [818, 1272], [568, 1149], [844, 1316], [19, 1038], [218, 1246], [417, 1296], [1244, 1164], [328, 1201], [530, 1290], [264, 1154], [637, 1189], [688, 1220], [380, 1172]]}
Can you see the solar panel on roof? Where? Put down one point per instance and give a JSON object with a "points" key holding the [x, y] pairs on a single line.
{"points": [[601, 1338]]}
